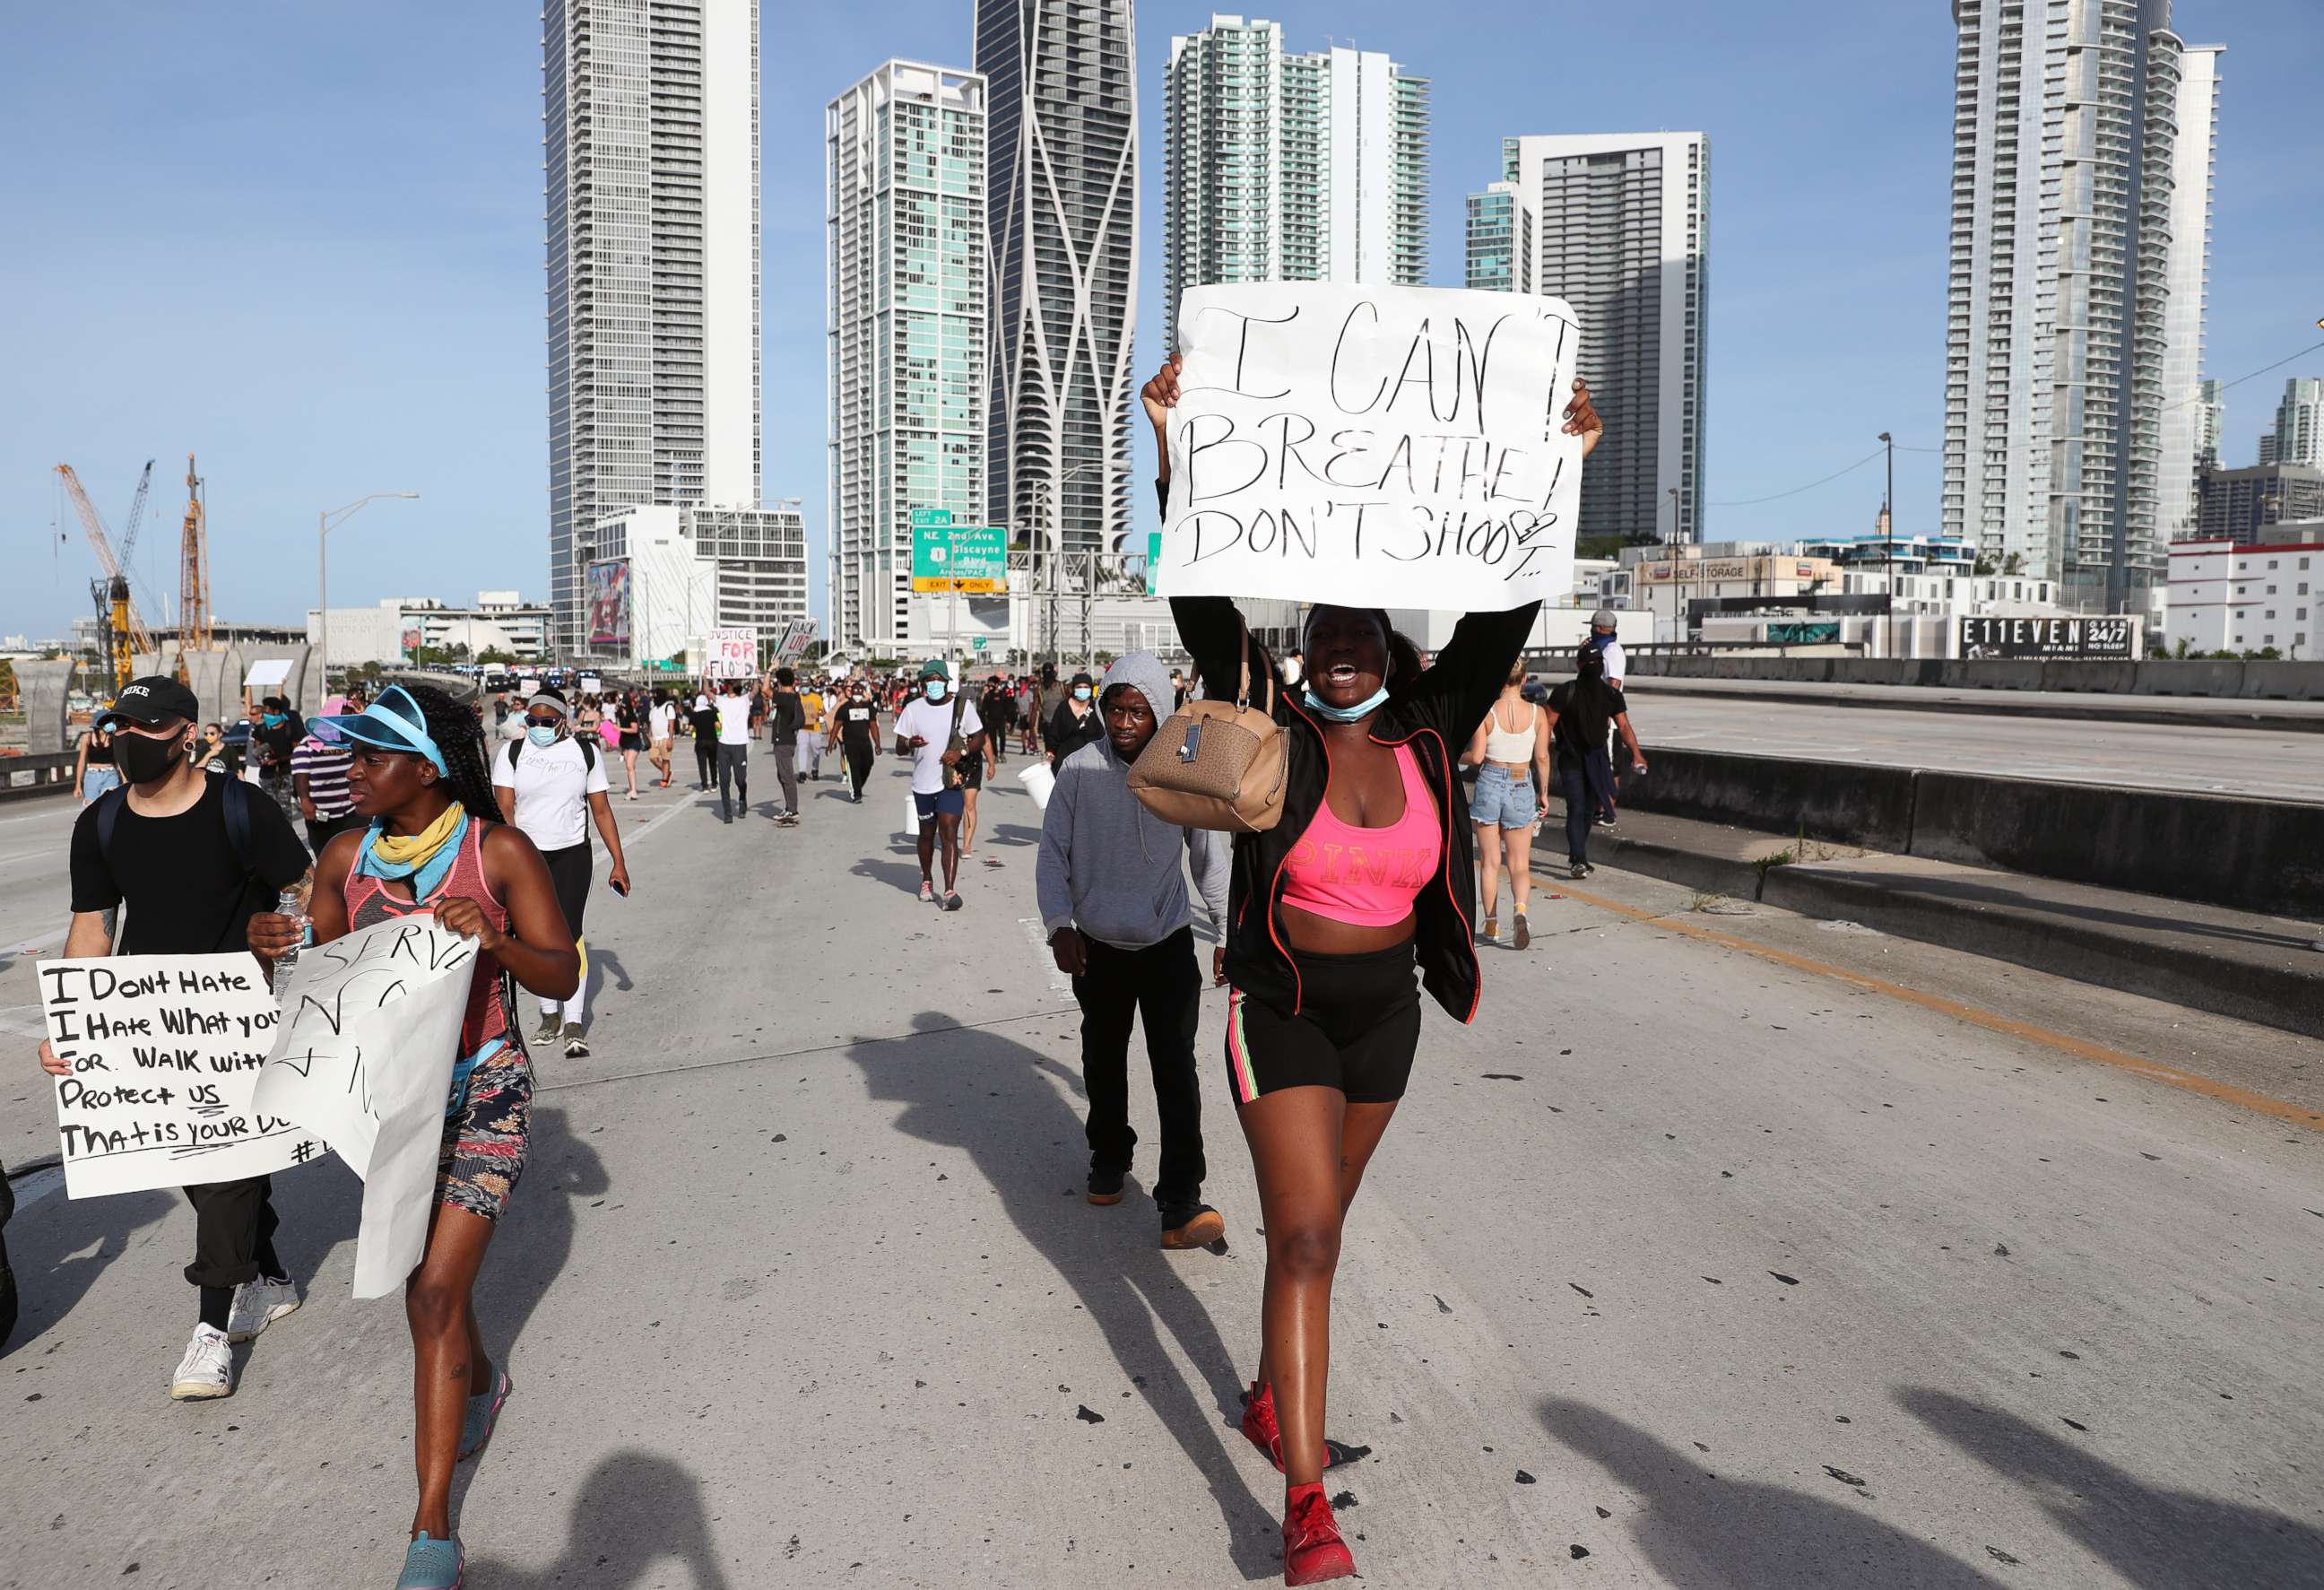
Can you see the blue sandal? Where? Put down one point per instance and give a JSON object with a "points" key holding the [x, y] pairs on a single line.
{"points": [[483, 1412], [432, 1565]]}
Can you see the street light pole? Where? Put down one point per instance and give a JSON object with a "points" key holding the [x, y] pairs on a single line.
{"points": [[325, 521], [1888, 522]]}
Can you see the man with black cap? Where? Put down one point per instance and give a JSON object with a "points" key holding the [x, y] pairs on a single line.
{"points": [[1075, 723], [193, 858]]}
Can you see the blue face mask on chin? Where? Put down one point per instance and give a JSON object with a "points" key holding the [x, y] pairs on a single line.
{"points": [[934, 689], [1347, 714]]}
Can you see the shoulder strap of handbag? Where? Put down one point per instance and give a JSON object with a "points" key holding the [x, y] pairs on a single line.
{"points": [[959, 705]]}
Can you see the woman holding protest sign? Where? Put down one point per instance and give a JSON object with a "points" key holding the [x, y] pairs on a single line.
{"points": [[1324, 1018], [435, 846]]}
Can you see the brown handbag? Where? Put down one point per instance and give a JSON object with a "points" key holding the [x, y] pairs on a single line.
{"points": [[1217, 764]]}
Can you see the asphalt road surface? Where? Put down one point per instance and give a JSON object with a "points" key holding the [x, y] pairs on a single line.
{"points": [[1726, 1249], [2281, 764]]}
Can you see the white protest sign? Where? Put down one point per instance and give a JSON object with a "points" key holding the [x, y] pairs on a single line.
{"points": [[364, 1058], [1379, 446], [731, 654], [165, 1051]]}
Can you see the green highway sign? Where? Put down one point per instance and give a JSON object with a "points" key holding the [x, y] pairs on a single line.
{"points": [[978, 643], [971, 559], [924, 517]]}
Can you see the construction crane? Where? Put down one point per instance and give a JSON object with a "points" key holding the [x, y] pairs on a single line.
{"points": [[193, 573], [137, 520], [121, 635]]}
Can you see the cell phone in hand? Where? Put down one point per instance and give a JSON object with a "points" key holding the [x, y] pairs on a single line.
{"points": [[620, 888]]}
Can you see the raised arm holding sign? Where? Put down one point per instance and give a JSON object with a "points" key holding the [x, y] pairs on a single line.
{"points": [[1372, 446], [1369, 869]]}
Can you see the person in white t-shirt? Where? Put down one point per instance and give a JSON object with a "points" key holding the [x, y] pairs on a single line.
{"points": [[734, 705], [549, 784], [661, 735], [937, 741], [1601, 635]]}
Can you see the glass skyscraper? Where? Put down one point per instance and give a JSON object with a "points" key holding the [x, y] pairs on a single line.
{"points": [[650, 122], [1290, 168], [909, 330], [1061, 207], [2083, 137]]}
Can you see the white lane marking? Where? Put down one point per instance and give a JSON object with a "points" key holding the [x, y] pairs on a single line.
{"points": [[1039, 941], [39, 1184], [36, 817]]}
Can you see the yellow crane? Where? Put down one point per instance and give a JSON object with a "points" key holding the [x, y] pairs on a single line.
{"points": [[121, 633]]}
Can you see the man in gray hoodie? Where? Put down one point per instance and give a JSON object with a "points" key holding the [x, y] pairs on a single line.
{"points": [[1114, 900]]}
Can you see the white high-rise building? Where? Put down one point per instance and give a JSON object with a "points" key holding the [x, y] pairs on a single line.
{"points": [[2178, 505], [909, 332], [2298, 435], [2079, 232], [649, 121], [1290, 168], [1619, 225], [1061, 228]]}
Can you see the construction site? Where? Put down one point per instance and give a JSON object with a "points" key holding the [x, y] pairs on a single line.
{"points": [[140, 626]]}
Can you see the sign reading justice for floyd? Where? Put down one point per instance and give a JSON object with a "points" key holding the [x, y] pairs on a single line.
{"points": [[1374, 446], [165, 1052]]}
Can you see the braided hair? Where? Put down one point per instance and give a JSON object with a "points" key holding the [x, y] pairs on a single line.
{"points": [[461, 738]]}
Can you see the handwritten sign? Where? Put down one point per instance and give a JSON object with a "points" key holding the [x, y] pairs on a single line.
{"points": [[1374, 446], [165, 1051], [731, 654], [363, 1060]]}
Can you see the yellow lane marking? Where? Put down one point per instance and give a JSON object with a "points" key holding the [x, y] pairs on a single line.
{"points": [[2225, 1092]]}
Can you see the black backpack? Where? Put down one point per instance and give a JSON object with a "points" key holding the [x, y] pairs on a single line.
{"points": [[234, 793], [586, 743]]}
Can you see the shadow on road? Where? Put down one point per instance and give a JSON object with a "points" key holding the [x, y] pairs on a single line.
{"points": [[1014, 834], [637, 1513], [992, 1099], [536, 1236], [59, 1246], [1701, 1531], [2155, 1538], [895, 875], [605, 967]]}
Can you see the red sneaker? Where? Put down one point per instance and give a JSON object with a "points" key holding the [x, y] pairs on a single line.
{"points": [[1259, 1423], [1313, 1550]]}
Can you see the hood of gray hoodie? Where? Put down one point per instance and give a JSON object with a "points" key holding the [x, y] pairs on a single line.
{"points": [[1143, 672]]}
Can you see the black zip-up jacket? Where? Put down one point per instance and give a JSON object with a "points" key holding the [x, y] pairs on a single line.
{"points": [[1434, 714]]}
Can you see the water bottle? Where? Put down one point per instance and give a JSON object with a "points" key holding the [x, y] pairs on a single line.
{"points": [[287, 903]]}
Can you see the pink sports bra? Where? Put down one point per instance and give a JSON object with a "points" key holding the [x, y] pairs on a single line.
{"points": [[1367, 877]]}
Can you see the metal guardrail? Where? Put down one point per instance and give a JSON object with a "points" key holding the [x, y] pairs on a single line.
{"points": [[25, 778]]}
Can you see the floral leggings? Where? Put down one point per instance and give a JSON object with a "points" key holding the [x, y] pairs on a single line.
{"points": [[485, 1141]]}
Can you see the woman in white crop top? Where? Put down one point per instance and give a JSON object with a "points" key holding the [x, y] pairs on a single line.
{"points": [[1511, 743]]}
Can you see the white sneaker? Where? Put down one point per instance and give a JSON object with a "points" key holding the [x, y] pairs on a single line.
{"points": [[258, 1304], [206, 1370]]}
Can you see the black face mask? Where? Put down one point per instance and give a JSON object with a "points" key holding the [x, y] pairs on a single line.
{"points": [[144, 759]]}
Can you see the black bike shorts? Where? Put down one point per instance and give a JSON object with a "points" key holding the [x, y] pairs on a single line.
{"points": [[1357, 1025]]}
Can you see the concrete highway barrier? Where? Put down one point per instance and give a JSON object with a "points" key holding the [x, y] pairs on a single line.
{"points": [[2258, 679], [2245, 854]]}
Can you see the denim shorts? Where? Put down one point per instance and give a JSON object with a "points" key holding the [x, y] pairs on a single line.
{"points": [[1503, 799]]}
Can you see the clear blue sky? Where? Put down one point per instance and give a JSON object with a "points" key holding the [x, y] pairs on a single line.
{"points": [[303, 239]]}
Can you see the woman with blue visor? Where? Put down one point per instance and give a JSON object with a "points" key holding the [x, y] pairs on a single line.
{"points": [[434, 845]]}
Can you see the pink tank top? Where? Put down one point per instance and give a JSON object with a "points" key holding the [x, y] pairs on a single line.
{"points": [[1367, 877], [369, 903]]}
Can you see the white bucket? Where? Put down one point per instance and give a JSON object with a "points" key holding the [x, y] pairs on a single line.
{"points": [[1038, 781], [911, 815]]}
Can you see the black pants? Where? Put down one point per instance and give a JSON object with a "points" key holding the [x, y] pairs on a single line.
{"points": [[859, 765], [569, 872], [1588, 782], [734, 765], [1163, 985], [705, 761], [787, 775], [234, 1229]]}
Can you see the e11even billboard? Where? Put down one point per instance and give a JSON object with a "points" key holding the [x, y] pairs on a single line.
{"points": [[2099, 637]]}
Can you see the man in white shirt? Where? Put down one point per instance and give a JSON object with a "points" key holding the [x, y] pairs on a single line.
{"points": [[548, 785], [734, 704], [1601, 635], [939, 731], [661, 735]]}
